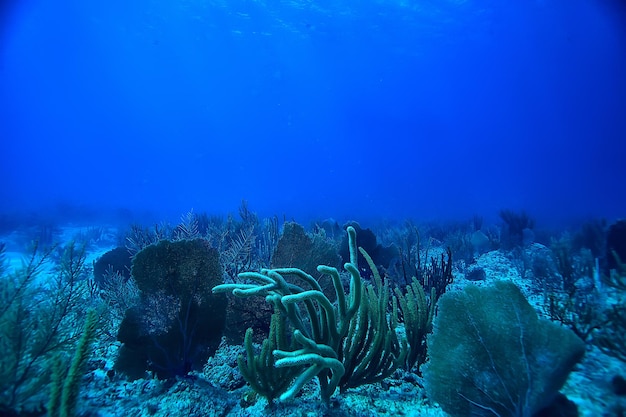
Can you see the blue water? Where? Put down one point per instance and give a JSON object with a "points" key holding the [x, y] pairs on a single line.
{"points": [[351, 109]]}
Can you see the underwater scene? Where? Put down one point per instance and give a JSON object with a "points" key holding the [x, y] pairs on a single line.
{"points": [[298, 208]]}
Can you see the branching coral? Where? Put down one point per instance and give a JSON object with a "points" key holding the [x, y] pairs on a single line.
{"points": [[346, 344], [38, 321]]}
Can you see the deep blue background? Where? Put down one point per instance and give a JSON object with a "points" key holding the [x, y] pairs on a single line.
{"points": [[353, 109]]}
